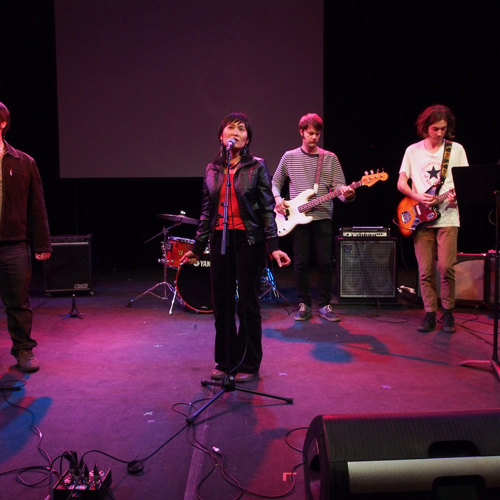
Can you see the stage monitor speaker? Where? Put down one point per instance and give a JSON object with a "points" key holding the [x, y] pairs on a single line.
{"points": [[440, 455], [366, 269], [69, 269]]}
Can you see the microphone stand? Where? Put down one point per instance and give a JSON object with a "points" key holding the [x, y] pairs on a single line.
{"points": [[493, 363], [227, 384]]}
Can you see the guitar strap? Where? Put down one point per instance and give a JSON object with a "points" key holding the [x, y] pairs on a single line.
{"points": [[321, 156], [444, 164]]}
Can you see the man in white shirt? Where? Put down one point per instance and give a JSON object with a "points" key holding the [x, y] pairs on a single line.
{"points": [[422, 164]]}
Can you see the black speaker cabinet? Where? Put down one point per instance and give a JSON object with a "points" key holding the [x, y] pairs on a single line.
{"points": [[69, 269], [366, 269], [490, 283], [441, 455]]}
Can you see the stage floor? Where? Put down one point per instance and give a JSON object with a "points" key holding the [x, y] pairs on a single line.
{"points": [[117, 384]]}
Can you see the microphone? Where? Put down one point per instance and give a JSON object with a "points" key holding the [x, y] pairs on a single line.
{"points": [[230, 144]]}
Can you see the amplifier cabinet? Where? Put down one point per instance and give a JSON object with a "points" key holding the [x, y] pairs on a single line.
{"points": [[470, 283], [69, 269], [470, 271], [366, 269]]}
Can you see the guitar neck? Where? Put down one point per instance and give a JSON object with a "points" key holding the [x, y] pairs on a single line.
{"points": [[329, 196], [442, 197]]}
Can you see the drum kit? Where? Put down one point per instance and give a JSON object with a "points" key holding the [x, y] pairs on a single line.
{"points": [[191, 287], [192, 282]]}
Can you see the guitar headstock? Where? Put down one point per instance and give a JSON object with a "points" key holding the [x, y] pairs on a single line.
{"points": [[372, 177]]}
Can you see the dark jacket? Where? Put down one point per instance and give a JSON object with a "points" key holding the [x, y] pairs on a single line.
{"points": [[23, 217], [252, 184]]}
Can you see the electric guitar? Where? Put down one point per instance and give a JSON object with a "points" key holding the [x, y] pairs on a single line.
{"points": [[299, 206], [412, 214]]}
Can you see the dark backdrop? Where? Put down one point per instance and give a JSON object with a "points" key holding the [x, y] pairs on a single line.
{"points": [[382, 67]]}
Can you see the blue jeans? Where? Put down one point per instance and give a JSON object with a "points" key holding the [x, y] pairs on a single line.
{"points": [[316, 234], [15, 277]]}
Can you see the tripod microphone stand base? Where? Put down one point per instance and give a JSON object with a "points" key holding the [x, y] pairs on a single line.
{"points": [[477, 363], [228, 385]]}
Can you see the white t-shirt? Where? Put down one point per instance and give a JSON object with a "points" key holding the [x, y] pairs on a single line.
{"points": [[424, 170]]}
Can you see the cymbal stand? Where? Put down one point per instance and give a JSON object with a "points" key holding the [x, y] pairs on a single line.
{"points": [[165, 285]]}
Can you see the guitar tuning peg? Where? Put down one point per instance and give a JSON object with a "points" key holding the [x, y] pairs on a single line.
{"points": [[371, 172], [366, 172]]}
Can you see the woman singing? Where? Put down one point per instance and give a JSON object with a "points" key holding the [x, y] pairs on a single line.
{"points": [[240, 258]]}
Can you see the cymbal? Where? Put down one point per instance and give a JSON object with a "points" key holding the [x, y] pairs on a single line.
{"points": [[178, 218]]}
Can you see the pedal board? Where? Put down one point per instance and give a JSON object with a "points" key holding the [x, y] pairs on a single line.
{"points": [[70, 487]]}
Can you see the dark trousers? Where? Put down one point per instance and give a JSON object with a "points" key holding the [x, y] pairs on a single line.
{"points": [[15, 277], [316, 235], [243, 264]]}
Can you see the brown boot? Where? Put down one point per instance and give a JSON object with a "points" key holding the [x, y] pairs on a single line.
{"points": [[27, 361]]}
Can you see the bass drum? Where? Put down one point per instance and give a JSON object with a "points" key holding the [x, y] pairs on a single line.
{"points": [[193, 285]]}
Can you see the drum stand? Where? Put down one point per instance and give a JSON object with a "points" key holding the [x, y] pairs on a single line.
{"points": [[167, 287], [270, 288]]}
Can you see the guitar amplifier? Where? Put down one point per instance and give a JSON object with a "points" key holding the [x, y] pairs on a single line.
{"points": [[69, 269], [365, 232], [366, 269], [471, 279]]}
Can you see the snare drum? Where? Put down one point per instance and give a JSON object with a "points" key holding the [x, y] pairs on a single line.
{"points": [[193, 285], [176, 248]]}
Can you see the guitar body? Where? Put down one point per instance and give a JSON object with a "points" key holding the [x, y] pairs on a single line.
{"points": [[287, 222], [300, 205], [411, 214]]}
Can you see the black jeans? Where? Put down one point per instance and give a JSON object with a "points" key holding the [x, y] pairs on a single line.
{"points": [[239, 272], [15, 277], [317, 234]]}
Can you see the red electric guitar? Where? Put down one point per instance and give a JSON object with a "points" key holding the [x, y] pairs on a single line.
{"points": [[411, 214]]}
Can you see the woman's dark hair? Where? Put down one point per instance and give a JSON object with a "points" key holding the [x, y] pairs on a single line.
{"points": [[235, 117], [4, 117], [434, 114]]}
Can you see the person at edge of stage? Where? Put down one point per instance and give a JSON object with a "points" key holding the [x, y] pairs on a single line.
{"points": [[299, 168], [421, 164], [23, 227], [251, 229]]}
